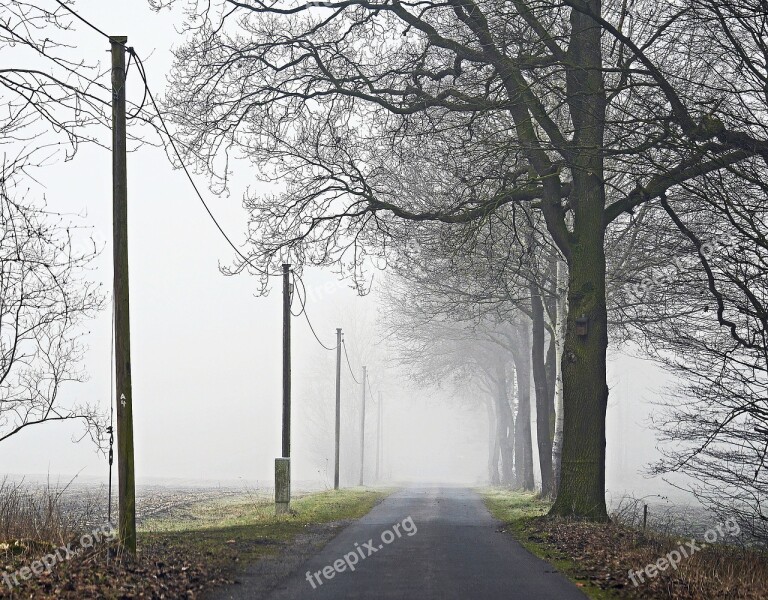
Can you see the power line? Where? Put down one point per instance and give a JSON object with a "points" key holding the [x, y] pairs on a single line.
{"points": [[304, 312], [172, 142], [351, 372], [83, 19], [140, 109], [111, 429], [148, 92], [298, 295]]}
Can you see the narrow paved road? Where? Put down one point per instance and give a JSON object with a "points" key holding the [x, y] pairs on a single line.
{"points": [[448, 547]]}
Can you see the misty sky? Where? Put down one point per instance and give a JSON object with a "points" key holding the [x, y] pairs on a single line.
{"points": [[206, 351]]}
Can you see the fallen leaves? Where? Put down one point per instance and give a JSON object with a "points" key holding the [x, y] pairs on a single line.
{"points": [[158, 572], [605, 553]]}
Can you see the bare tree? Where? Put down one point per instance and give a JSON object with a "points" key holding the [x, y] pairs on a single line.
{"points": [[467, 276], [44, 300], [50, 97], [436, 351], [51, 101], [704, 317], [581, 110]]}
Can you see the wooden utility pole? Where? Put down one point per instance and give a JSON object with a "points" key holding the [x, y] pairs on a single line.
{"points": [[378, 440], [286, 361], [283, 465], [338, 409], [122, 324], [362, 429]]}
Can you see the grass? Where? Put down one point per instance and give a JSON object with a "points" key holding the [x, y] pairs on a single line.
{"points": [[245, 529], [519, 511], [598, 557], [198, 547]]}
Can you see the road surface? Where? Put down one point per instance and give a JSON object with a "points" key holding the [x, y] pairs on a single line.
{"points": [[423, 544]]}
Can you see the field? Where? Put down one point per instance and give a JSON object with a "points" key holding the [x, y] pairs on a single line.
{"points": [[191, 539]]}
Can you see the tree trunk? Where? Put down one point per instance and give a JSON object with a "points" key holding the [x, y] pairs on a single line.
{"points": [[551, 370], [543, 439], [493, 444], [585, 393], [523, 443], [561, 315], [504, 424]]}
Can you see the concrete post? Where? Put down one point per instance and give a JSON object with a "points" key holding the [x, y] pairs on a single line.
{"points": [[282, 486]]}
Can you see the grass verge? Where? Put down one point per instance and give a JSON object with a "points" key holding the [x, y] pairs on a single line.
{"points": [[179, 557], [233, 531], [520, 512], [598, 557]]}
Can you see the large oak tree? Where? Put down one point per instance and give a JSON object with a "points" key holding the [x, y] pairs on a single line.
{"points": [[583, 110]]}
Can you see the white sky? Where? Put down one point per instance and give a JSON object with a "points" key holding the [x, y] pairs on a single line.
{"points": [[206, 352]]}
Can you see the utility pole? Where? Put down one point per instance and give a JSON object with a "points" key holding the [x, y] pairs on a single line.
{"points": [[362, 429], [283, 465], [338, 408], [122, 324], [378, 440], [286, 361]]}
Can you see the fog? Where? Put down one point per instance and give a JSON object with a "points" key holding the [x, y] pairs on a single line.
{"points": [[206, 350]]}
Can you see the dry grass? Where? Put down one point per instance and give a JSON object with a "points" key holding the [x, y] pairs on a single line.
{"points": [[180, 556], [37, 514], [605, 554], [599, 556]]}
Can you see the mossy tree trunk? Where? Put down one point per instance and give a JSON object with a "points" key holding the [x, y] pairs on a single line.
{"points": [[582, 478]]}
